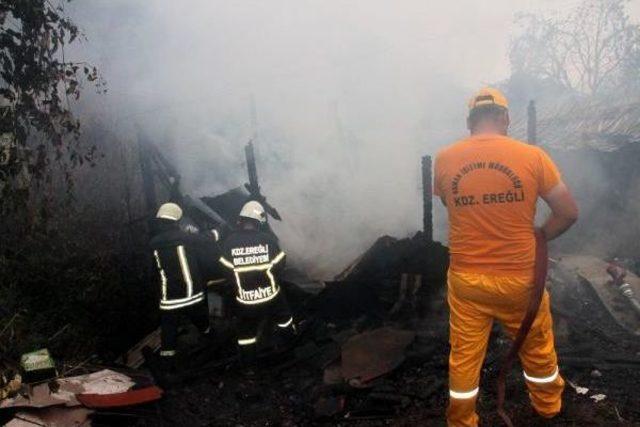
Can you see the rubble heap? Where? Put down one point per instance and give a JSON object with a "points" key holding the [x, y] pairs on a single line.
{"points": [[404, 382], [391, 274], [373, 350]]}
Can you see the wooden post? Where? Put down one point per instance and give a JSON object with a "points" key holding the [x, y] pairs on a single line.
{"points": [[253, 187], [427, 199], [532, 136]]}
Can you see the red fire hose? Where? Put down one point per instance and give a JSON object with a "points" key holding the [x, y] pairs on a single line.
{"points": [[539, 280]]}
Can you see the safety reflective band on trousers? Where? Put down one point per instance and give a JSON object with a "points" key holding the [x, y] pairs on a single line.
{"points": [[247, 341], [286, 324], [542, 380], [464, 394], [167, 353]]}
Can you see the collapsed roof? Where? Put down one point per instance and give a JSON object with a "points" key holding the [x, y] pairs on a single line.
{"points": [[583, 124]]}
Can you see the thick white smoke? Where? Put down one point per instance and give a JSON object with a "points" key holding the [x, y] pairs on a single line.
{"points": [[348, 95]]}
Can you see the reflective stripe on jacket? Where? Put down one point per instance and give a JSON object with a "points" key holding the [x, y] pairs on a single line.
{"points": [[184, 261], [253, 259]]}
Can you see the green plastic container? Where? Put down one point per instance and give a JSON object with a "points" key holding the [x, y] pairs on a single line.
{"points": [[37, 366]]}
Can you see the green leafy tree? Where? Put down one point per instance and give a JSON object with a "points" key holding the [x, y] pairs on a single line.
{"points": [[37, 88]]}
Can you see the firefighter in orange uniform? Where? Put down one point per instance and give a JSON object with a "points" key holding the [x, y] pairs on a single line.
{"points": [[490, 184]]}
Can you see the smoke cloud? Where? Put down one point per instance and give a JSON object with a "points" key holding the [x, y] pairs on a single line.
{"points": [[344, 97]]}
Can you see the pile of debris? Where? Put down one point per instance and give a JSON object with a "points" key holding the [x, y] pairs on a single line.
{"points": [[393, 279], [372, 349], [38, 395], [354, 335]]}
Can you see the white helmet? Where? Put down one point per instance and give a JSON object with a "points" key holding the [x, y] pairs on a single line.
{"points": [[169, 211], [254, 210]]}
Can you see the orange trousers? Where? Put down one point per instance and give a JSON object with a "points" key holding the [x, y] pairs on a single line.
{"points": [[475, 300]]}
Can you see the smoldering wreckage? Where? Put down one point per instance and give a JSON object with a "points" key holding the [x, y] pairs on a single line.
{"points": [[371, 346]]}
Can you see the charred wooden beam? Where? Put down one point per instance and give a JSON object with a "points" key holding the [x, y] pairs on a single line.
{"points": [[167, 173], [427, 198], [253, 186]]}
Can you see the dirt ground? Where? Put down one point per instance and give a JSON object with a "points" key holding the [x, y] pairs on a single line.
{"points": [[289, 388], [594, 353]]}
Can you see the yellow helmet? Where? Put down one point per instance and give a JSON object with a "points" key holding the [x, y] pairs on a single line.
{"points": [[488, 96]]}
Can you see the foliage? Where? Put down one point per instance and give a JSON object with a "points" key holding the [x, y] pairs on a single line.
{"points": [[37, 88], [73, 289], [587, 50]]}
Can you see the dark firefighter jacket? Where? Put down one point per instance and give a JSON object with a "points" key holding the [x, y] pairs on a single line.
{"points": [[254, 260], [185, 263]]}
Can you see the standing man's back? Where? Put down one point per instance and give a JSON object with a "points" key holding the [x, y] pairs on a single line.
{"points": [[490, 184]]}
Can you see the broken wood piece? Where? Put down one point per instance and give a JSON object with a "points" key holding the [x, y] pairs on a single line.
{"points": [[134, 358], [9, 386], [60, 332], [348, 269], [54, 416], [410, 284], [592, 272], [402, 294], [371, 354]]}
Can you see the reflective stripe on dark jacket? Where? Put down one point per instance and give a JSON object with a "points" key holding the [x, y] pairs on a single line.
{"points": [[254, 259], [185, 262]]}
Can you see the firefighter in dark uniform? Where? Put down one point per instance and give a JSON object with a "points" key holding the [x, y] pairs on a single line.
{"points": [[254, 260], [184, 261]]}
